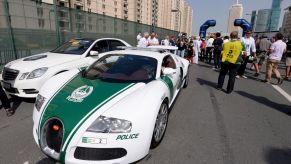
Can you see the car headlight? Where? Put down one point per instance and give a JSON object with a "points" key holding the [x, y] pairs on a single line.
{"points": [[37, 73], [39, 102], [110, 125], [23, 76]]}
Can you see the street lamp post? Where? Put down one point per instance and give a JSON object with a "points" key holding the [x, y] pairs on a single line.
{"points": [[180, 14]]}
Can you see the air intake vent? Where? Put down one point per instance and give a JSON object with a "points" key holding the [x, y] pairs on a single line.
{"points": [[9, 74]]}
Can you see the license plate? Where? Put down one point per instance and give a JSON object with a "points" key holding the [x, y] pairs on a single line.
{"points": [[6, 85]]}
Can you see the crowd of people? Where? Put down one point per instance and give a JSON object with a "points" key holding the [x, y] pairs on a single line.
{"points": [[230, 54], [254, 51], [189, 48]]}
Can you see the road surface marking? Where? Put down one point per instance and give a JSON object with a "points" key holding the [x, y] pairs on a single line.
{"points": [[285, 94]]}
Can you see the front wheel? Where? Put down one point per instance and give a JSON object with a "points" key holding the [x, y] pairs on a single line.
{"points": [[160, 125]]}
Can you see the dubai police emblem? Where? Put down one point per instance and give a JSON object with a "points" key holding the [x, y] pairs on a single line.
{"points": [[79, 94]]}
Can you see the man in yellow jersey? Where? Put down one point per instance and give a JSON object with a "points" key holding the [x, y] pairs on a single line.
{"points": [[231, 60]]}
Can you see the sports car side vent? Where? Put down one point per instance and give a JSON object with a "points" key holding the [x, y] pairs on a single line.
{"points": [[51, 138], [98, 154]]}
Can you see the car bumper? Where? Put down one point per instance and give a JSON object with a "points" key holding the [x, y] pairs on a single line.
{"points": [[96, 148], [23, 88]]}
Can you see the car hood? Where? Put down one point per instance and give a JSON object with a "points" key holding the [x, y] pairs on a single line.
{"points": [[80, 98], [47, 59]]}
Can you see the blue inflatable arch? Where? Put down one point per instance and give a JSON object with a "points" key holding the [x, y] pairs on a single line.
{"points": [[244, 24], [205, 26]]}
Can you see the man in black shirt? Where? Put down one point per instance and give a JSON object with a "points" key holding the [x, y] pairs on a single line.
{"points": [[217, 43]]}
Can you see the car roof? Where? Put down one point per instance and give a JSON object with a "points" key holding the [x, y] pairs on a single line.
{"points": [[92, 39], [153, 54], [164, 47]]}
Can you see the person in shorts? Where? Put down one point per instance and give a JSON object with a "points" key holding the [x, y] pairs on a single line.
{"points": [[264, 46], [277, 49]]}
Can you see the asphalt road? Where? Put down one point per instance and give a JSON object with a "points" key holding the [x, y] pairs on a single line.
{"points": [[250, 126]]}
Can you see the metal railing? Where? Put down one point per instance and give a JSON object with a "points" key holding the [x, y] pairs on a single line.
{"points": [[28, 27]]}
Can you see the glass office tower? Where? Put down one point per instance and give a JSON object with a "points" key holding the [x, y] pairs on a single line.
{"points": [[275, 14]]}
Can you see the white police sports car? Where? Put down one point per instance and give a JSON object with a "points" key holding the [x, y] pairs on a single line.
{"points": [[114, 111]]}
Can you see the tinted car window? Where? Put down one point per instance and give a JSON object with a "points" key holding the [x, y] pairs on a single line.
{"points": [[114, 44], [123, 68], [74, 47], [101, 46], [169, 62]]}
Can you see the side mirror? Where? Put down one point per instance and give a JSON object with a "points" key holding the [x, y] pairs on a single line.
{"points": [[94, 53], [169, 71]]}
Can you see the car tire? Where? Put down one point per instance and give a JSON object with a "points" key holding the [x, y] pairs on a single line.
{"points": [[181, 79], [160, 125], [187, 78]]}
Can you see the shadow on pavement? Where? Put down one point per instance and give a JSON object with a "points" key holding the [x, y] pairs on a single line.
{"points": [[265, 101], [46, 161], [205, 82], [252, 77], [278, 156], [16, 101], [205, 65]]}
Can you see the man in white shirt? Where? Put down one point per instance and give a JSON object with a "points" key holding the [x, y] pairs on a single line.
{"points": [[277, 49], [196, 47], [138, 37], [250, 46], [153, 41], [144, 41], [166, 41], [209, 49]]}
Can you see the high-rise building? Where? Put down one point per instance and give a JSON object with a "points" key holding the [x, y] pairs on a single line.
{"points": [[275, 14], [286, 26], [189, 20], [268, 19], [262, 20], [276, 4], [235, 12], [156, 13], [254, 18]]}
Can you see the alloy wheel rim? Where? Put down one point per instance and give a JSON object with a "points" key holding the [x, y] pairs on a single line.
{"points": [[161, 123]]}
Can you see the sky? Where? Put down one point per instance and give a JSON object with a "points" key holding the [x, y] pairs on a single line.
{"points": [[218, 10]]}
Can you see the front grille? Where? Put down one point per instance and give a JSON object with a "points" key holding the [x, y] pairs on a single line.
{"points": [[52, 137], [9, 74], [98, 154]]}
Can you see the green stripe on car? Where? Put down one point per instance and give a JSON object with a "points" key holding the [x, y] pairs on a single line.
{"points": [[40, 120], [73, 109], [66, 143], [169, 84]]}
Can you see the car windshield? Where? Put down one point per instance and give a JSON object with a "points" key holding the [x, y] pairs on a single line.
{"points": [[123, 68], [74, 47]]}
